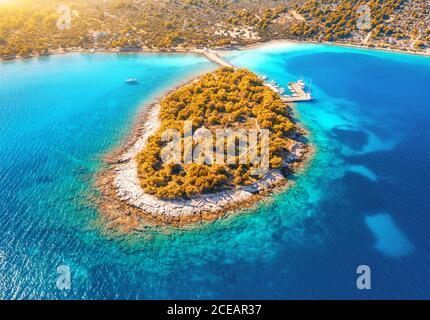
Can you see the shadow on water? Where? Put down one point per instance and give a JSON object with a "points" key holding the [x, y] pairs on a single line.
{"points": [[352, 138], [390, 239]]}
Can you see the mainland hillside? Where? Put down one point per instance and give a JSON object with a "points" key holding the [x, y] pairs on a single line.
{"points": [[33, 27]]}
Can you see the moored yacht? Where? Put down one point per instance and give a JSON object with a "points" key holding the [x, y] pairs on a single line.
{"points": [[131, 81]]}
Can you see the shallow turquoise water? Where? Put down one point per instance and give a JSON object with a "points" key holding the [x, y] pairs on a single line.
{"points": [[363, 199]]}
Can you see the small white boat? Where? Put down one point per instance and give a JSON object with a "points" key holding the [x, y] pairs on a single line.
{"points": [[131, 81], [301, 83], [264, 77]]}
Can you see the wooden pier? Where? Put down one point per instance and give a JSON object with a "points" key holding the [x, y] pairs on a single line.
{"points": [[216, 58], [297, 89]]}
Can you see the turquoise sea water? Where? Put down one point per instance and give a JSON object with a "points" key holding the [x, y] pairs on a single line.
{"points": [[363, 199]]}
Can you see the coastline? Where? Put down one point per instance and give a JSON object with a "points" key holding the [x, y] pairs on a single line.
{"points": [[126, 206], [196, 50], [282, 42]]}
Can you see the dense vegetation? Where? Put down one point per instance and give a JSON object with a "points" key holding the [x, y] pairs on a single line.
{"points": [[404, 23], [29, 27], [226, 98]]}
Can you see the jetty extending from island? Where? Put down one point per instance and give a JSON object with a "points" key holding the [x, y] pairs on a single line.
{"points": [[297, 88], [216, 58], [299, 93]]}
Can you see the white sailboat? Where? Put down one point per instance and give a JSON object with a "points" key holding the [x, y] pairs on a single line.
{"points": [[131, 80]]}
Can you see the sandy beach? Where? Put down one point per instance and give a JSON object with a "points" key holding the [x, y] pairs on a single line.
{"points": [[257, 45], [289, 42]]}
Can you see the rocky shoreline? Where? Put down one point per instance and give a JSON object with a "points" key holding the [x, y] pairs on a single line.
{"points": [[124, 203]]}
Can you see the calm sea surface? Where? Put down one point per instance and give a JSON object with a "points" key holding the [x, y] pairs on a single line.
{"points": [[364, 199]]}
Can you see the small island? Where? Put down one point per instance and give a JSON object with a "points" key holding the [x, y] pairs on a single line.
{"points": [[222, 142]]}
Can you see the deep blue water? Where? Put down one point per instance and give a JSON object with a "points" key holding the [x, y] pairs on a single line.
{"points": [[362, 201]]}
